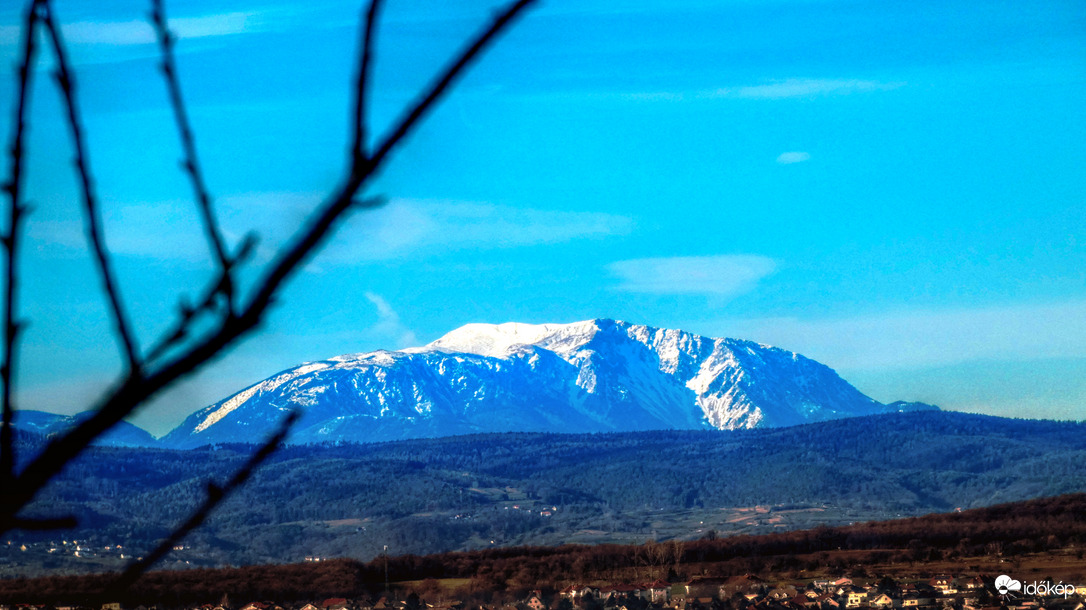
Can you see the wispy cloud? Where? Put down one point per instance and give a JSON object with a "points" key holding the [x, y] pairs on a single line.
{"points": [[407, 227], [388, 324], [804, 87], [170, 230], [721, 275], [136, 32], [139, 31], [773, 90], [927, 338], [165, 230], [789, 158]]}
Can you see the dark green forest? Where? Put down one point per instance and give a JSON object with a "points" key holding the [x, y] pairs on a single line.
{"points": [[474, 492]]}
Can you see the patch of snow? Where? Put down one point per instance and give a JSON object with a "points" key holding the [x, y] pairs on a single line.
{"points": [[239, 399], [309, 367], [499, 340], [612, 375]]}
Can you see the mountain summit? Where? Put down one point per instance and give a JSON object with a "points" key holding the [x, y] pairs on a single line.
{"points": [[592, 376]]}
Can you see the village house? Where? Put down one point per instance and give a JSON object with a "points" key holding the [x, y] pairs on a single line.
{"points": [[619, 591], [802, 602], [882, 601], [827, 601], [657, 592], [944, 584], [575, 592], [334, 603], [708, 587], [856, 597], [534, 602], [780, 594]]}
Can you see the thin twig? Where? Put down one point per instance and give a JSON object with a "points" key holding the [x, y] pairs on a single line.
{"points": [[359, 153], [191, 164], [437, 89], [18, 209], [134, 391], [188, 313], [334, 208], [215, 496], [90, 200]]}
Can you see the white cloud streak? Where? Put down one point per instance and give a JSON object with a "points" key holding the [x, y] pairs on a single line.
{"points": [[140, 32], [928, 338], [789, 158], [804, 87], [402, 228], [792, 88], [721, 275], [411, 227], [168, 230], [388, 324]]}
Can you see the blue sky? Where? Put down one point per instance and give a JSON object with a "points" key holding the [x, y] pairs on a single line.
{"points": [[894, 189]]}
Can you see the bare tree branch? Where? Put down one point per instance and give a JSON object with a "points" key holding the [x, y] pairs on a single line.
{"points": [[139, 385], [188, 313], [215, 495], [11, 242], [90, 201], [359, 149], [191, 165], [333, 208], [437, 89]]}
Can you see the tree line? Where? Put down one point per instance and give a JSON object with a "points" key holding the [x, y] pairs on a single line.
{"points": [[1036, 526]]}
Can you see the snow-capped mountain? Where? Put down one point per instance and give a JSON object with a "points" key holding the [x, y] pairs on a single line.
{"points": [[591, 376]]}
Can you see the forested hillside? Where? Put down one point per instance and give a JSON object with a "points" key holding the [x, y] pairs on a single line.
{"points": [[499, 490]]}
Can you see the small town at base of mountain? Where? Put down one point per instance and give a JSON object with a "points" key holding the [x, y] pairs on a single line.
{"points": [[967, 560]]}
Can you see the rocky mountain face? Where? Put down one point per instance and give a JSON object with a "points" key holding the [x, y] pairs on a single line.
{"points": [[591, 376]]}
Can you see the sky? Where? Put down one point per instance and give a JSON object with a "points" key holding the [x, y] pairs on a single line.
{"points": [[893, 189]]}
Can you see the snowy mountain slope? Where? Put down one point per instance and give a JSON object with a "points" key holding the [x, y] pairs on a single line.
{"points": [[596, 375]]}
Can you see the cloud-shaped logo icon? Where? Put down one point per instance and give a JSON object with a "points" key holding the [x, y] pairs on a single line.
{"points": [[1005, 584]]}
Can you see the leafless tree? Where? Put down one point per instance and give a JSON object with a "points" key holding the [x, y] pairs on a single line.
{"points": [[220, 315], [659, 557]]}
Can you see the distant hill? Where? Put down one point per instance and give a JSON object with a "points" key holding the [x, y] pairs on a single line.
{"points": [[591, 376], [470, 492], [123, 434]]}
